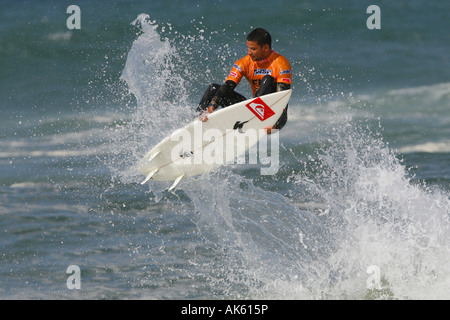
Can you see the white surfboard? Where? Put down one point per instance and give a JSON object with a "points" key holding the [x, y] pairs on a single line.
{"points": [[201, 146]]}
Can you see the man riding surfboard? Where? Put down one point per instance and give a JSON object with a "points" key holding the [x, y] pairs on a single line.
{"points": [[266, 70]]}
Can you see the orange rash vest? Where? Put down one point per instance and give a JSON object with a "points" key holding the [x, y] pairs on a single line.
{"points": [[275, 65]]}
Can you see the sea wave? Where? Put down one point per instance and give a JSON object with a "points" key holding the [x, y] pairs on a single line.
{"points": [[428, 147]]}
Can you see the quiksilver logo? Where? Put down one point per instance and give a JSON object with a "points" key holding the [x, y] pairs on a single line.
{"points": [[260, 109]]}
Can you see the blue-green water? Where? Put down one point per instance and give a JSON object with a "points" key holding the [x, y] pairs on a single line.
{"points": [[364, 177]]}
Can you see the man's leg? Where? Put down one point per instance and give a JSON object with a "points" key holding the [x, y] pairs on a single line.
{"points": [[207, 96], [231, 98], [266, 86]]}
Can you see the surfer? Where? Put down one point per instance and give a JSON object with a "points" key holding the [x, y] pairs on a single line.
{"points": [[266, 70]]}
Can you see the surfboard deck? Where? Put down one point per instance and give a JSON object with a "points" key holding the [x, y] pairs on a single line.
{"points": [[201, 146]]}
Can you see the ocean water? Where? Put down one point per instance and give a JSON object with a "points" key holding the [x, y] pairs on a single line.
{"points": [[359, 208]]}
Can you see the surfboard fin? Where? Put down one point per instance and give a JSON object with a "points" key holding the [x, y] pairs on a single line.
{"points": [[177, 180], [149, 176], [153, 156]]}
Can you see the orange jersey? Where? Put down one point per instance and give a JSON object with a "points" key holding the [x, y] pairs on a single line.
{"points": [[275, 65]]}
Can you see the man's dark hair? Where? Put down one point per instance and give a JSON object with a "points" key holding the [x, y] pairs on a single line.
{"points": [[261, 36]]}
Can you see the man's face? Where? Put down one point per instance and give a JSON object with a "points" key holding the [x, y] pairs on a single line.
{"points": [[257, 52]]}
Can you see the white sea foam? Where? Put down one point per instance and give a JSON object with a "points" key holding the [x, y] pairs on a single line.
{"points": [[428, 147], [60, 36]]}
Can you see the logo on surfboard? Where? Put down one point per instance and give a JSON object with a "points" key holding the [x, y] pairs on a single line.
{"points": [[261, 110]]}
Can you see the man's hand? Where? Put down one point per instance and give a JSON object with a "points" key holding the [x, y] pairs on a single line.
{"points": [[204, 115], [268, 129]]}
